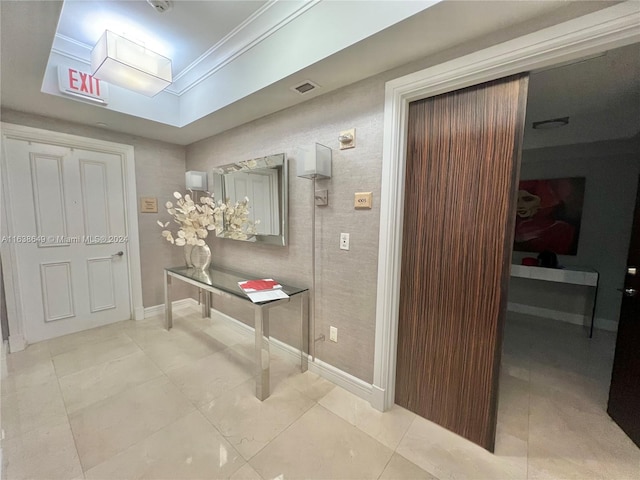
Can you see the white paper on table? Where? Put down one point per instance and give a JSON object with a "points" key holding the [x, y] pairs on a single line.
{"points": [[267, 295]]}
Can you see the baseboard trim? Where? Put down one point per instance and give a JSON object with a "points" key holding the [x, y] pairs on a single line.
{"points": [[247, 330], [574, 318], [138, 313], [17, 343], [606, 324], [158, 309], [377, 398], [341, 378]]}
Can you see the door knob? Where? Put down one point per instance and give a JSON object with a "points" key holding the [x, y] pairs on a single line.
{"points": [[119, 254], [628, 292]]}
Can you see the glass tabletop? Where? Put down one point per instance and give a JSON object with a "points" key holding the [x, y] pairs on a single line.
{"points": [[226, 280]]}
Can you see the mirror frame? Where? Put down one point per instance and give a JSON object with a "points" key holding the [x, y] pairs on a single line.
{"points": [[276, 161]]}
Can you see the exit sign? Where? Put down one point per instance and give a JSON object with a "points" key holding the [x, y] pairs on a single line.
{"points": [[83, 85]]}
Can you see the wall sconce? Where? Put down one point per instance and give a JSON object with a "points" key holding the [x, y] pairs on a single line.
{"points": [[122, 62], [314, 162], [196, 180]]}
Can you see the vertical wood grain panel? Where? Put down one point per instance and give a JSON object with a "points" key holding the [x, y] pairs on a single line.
{"points": [[462, 171]]}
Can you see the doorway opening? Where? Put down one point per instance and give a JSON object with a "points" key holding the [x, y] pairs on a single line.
{"points": [[577, 195], [610, 28]]}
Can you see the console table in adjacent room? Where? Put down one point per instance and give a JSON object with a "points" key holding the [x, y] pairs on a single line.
{"points": [[225, 283], [573, 275]]}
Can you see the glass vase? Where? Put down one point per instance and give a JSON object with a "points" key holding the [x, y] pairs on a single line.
{"points": [[187, 255], [201, 257]]}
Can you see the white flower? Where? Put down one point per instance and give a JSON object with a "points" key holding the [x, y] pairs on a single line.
{"points": [[195, 220]]}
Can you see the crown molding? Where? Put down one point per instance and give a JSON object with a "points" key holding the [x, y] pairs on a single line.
{"points": [[256, 28]]}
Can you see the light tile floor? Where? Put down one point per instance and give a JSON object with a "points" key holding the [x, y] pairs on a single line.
{"points": [[133, 401]]}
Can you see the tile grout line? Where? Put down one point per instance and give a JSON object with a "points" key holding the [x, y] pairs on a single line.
{"points": [[285, 429], [162, 373], [192, 402], [66, 410]]}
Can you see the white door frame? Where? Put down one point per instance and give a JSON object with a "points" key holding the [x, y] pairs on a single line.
{"points": [[14, 298], [606, 29]]}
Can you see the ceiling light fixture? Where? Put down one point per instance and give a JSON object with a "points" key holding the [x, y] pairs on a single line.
{"points": [[160, 6], [121, 62], [550, 124]]}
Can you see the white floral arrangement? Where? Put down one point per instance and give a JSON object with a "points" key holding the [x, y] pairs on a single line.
{"points": [[232, 220], [197, 219]]}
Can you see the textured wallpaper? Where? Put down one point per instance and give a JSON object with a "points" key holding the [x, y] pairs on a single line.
{"points": [[345, 280]]}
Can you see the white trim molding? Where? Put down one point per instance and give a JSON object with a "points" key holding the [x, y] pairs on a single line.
{"points": [[612, 27], [126, 153], [159, 309], [341, 378], [567, 317]]}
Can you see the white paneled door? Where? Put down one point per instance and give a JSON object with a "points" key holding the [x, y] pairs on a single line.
{"points": [[262, 190], [70, 236]]}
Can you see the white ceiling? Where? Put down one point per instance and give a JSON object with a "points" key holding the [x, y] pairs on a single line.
{"points": [[600, 95], [262, 48], [182, 34]]}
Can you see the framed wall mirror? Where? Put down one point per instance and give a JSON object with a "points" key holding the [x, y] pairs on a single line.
{"points": [[265, 181]]}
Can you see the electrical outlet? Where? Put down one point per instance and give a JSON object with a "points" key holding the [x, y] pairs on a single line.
{"points": [[344, 241], [333, 334]]}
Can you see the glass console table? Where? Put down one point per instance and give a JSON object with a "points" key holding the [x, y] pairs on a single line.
{"points": [[573, 275], [225, 283]]}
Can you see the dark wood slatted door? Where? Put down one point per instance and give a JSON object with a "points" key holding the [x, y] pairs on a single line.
{"points": [[624, 393], [463, 157]]}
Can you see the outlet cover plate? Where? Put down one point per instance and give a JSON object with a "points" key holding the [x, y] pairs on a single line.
{"points": [[344, 241], [333, 334]]}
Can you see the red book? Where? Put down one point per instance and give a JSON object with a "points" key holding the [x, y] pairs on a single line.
{"points": [[249, 286]]}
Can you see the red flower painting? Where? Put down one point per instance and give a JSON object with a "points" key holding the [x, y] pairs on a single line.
{"points": [[549, 214]]}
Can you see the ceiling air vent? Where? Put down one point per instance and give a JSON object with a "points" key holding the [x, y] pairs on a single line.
{"points": [[305, 87]]}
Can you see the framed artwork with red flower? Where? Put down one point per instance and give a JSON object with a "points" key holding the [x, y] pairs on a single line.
{"points": [[549, 214]]}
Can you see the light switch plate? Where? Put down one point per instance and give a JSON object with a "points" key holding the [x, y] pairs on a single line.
{"points": [[363, 200]]}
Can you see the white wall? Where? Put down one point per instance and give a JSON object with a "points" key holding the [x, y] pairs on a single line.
{"points": [[611, 170]]}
